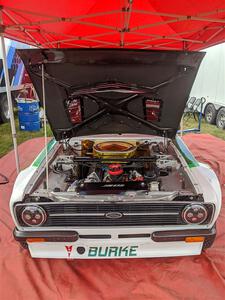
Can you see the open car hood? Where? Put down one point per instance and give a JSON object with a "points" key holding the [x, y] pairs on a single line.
{"points": [[104, 91]]}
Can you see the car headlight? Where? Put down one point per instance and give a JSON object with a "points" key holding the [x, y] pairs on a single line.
{"points": [[33, 215], [194, 214]]}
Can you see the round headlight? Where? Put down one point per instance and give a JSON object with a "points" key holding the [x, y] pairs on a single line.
{"points": [[33, 215], [194, 214]]}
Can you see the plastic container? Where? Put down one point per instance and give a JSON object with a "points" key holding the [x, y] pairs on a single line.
{"points": [[28, 113]]}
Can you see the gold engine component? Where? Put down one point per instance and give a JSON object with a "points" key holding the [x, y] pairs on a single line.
{"points": [[114, 149], [87, 147]]}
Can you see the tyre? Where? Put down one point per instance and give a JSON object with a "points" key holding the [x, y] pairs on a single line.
{"points": [[4, 109], [220, 119], [210, 114]]}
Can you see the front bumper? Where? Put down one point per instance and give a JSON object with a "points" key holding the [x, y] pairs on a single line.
{"points": [[69, 244]]}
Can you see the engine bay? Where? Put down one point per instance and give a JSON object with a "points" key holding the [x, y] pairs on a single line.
{"points": [[94, 167]]}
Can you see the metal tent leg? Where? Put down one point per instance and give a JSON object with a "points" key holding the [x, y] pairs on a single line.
{"points": [[9, 97]]}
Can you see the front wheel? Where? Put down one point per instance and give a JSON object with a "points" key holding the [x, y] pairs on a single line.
{"points": [[4, 109], [220, 119]]}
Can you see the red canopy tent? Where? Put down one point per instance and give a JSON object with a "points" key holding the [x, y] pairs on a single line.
{"points": [[145, 24], [177, 25]]}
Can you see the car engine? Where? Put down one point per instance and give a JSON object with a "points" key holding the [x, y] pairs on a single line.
{"points": [[115, 167]]}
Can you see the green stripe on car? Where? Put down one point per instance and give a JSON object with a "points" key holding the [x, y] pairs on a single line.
{"points": [[186, 153], [41, 156]]}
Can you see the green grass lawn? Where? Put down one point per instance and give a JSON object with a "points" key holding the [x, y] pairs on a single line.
{"points": [[6, 139], [6, 143], [205, 128]]}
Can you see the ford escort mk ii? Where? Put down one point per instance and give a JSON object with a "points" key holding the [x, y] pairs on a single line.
{"points": [[117, 182]]}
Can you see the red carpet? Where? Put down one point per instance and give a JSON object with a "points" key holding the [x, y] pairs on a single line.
{"points": [[188, 278]]}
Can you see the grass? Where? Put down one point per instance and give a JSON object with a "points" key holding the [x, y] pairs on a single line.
{"points": [[6, 143], [205, 128]]}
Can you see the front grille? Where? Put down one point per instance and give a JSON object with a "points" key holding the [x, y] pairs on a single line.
{"points": [[131, 214], [67, 208], [101, 214], [103, 221]]}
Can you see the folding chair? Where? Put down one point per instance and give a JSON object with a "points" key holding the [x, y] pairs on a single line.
{"points": [[188, 111]]}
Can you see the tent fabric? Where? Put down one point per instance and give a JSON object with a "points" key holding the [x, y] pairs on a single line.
{"points": [[146, 24], [189, 278]]}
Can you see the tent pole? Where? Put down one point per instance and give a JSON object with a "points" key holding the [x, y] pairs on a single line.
{"points": [[45, 123], [182, 125], [9, 98]]}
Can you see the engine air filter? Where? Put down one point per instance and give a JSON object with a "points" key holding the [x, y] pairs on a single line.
{"points": [[114, 149]]}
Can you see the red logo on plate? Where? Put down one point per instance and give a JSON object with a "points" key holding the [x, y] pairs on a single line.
{"points": [[69, 250]]}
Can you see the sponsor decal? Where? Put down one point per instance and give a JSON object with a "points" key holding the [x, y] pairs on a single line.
{"points": [[121, 251], [69, 250], [80, 250]]}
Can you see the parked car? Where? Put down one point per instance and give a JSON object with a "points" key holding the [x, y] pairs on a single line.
{"points": [[120, 183]]}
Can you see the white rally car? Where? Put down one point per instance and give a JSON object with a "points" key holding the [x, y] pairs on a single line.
{"points": [[120, 183]]}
